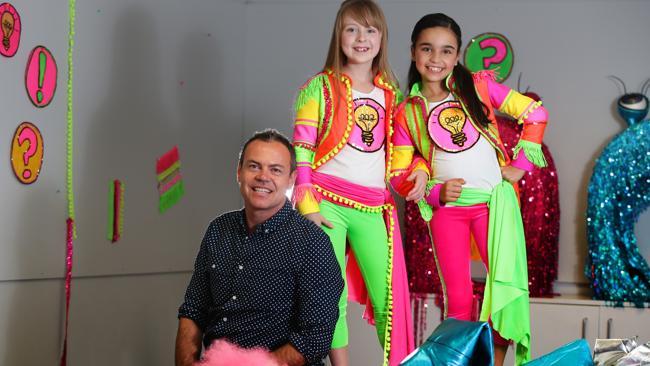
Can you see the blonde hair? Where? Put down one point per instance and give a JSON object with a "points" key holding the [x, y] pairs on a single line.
{"points": [[369, 14]]}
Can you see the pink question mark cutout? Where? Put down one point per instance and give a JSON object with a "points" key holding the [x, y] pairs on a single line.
{"points": [[27, 134], [500, 48]]}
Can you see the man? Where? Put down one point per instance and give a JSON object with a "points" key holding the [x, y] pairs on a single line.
{"points": [[264, 275]]}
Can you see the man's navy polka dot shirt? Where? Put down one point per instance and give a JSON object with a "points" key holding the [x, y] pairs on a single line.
{"points": [[279, 284]]}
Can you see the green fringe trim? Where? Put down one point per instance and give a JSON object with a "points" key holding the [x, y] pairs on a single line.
{"points": [[426, 211], [169, 198], [111, 212], [312, 90], [533, 152]]}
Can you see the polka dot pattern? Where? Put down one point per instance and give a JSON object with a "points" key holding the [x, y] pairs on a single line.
{"points": [[278, 284]]}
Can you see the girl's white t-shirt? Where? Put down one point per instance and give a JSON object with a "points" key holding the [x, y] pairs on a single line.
{"points": [[476, 164], [362, 160]]}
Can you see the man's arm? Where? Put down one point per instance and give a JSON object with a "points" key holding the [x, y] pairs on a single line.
{"points": [[318, 291], [288, 355], [188, 342]]}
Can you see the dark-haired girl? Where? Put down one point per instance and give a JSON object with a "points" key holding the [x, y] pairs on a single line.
{"points": [[448, 119]]}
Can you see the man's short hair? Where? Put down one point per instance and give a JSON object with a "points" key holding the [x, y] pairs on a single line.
{"points": [[270, 135]]}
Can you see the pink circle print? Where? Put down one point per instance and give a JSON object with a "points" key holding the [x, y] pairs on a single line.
{"points": [[40, 76], [11, 28], [368, 133], [450, 128]]}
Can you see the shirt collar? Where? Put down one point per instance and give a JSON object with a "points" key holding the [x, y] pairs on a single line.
{"points": [[379, 80], [416, 89], [273, 223]]}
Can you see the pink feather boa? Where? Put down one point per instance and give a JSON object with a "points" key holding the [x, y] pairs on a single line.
{"points": [[222, 353]]}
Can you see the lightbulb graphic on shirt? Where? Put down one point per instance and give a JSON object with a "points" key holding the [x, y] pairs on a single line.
{"points": [[453, 120], [7, 22], [366, 118]]}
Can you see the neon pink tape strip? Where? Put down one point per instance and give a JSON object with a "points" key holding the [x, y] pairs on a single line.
{"points": [[68, 280]]}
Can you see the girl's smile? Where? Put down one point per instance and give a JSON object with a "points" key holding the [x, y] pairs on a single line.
{"points": [[360, 44], [435, 54]]}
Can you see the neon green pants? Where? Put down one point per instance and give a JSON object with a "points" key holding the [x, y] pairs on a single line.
{"points": [[366, 233]]}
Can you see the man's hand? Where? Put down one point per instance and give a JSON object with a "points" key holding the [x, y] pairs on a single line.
{"points": [[319, 220], [512, 174], [288, 355], [419, 177], [451, 189], [188, 342]]}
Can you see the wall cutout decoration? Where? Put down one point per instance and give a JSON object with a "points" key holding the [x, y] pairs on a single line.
{"points": [[27, 153], [490, 51], [11, 28], [40, 76], [170, 183], [115, 210]]}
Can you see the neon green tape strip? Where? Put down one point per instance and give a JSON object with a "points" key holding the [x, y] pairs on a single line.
{"points": [[169, 198], [162, 176], [69, 117], [111, 210]]}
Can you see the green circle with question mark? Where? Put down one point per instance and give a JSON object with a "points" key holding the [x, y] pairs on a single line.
{"points": [[490, 51]]}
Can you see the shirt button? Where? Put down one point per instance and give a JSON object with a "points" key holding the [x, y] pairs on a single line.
{"points": [[225, 319], [240, 267], [234, 297], [214, 266]]}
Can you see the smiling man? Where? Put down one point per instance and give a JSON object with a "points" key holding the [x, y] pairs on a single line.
{"points": [[264, 276]]}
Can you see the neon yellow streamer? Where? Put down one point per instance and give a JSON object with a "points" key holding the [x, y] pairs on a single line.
{"points": [[69, 117]]}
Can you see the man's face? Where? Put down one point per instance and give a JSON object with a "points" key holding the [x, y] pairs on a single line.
{"points": [[264, 176]]}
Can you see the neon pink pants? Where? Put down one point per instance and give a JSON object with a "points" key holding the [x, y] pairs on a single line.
{"points": [[451, 227]]}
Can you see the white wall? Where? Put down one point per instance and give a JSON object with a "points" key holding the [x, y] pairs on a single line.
{"points": [[241, 63]]}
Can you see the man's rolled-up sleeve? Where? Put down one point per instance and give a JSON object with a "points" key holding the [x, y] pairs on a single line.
{"points": [[318, 291]]}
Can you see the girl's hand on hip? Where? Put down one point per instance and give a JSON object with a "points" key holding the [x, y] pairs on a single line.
{"points": [[451, 189], [419, 177], [512, 174], [319, 220]]}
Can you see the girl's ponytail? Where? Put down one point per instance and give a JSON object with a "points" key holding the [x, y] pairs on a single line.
{"points": [[464, 88]]}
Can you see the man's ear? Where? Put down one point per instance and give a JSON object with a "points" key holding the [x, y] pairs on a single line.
{"points": [[292, 177]]}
